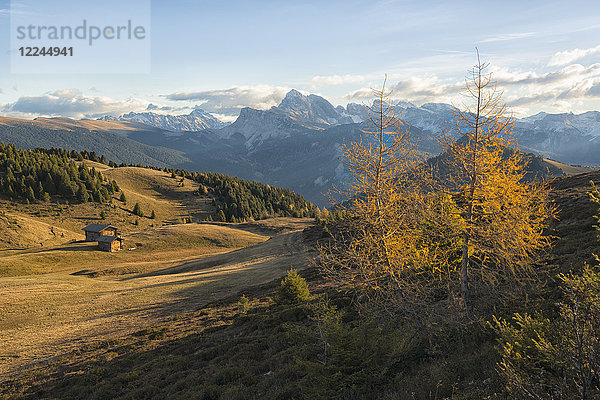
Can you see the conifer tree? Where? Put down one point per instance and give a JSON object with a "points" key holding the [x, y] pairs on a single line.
{"points": [[137, 210], [502, 216], [388, 231]]}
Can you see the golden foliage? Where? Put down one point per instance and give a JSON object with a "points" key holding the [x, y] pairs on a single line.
{"points": [[405, 238], [394, 241], [504, 217]]}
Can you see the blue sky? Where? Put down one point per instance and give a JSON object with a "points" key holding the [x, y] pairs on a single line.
{"points": [[222, 55]]}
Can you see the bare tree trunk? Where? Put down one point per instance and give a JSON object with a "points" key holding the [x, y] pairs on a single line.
{"points": [[464, 278], [464, 268]]}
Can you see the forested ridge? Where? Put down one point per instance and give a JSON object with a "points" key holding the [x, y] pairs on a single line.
{"points": [[43, 174], [239, 199], [40, 174]]}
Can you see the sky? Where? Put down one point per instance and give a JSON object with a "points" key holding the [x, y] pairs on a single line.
{"points": [[225, 55]]}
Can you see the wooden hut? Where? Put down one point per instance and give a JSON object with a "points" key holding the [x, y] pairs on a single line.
{"points": [[94, 231], [110, 243]]}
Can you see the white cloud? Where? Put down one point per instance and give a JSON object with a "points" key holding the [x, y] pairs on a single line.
{"points": [[70, 103], [225, 117], [594, 91], [567, 75], [331, 80], [525, 92], [230, 101], [418, 89], [568, 56], [508, 36], [562, 90]]}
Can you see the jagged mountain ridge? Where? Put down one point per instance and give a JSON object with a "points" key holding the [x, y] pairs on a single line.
{"points": [[295, 144], [311, 111], [197, 120], [570, 138]]}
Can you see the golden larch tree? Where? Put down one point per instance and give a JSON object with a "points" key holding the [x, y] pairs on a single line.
{"points": [[504, 216], [388, 244]]}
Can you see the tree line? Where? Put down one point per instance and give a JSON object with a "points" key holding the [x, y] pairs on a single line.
{"points": [[39, 174], [238, 199]]}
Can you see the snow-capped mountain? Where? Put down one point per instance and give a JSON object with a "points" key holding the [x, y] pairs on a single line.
{"points": [[297, 114], [430, 117], [197, 120], [571, 138], [254, 126], [311, 110], [587, 123]]}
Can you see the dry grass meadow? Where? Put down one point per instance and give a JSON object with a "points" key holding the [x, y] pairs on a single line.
{"points": [[59, 294]]}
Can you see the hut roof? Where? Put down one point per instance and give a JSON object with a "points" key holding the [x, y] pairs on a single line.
{"points": [[108, 239], [97, 227]]}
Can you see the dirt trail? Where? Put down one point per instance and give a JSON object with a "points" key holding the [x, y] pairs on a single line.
{"points": [[45, 316]]}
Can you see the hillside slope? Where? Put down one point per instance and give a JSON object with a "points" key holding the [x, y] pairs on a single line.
{"points": [[274, 351], [154, 190], [87, 297], [103, 137]]}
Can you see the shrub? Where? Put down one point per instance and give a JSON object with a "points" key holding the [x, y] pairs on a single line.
{"points": [[293, 289], [137, 210], [555, 358], [244, 304]]}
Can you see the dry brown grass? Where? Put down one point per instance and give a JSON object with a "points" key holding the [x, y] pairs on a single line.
{"points": [[569, 170], [88, 297], [58, 294], [32, 225], [145, 249], [70, 124]]}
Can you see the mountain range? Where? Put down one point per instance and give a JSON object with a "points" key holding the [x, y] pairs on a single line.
{"points": [[296, 144], [197, 120]]}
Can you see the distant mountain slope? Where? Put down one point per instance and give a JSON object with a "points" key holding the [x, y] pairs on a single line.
{"points": [[312, 110], [537, 168], [295, 144], [570, 138], [103, 137], [197, 120], [254, 126]]}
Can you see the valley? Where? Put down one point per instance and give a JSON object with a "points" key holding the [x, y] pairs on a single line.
{"points": [[59, 294], [262, 200]]}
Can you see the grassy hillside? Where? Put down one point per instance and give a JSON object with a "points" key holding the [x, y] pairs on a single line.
{"points": [[568, 170], [103, 137], [64, 191], [272, 351], [153, 190], [60, 294], [536, 166]]}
